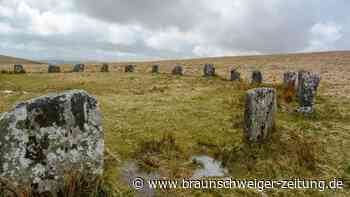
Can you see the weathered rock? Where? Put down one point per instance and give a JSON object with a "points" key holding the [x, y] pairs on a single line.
{"points": [[290, 79], [301, 73], [129, 68], [54, 69], [79, 68], [209, 70], [44, 138], [259, 115], [177, 70], [308, 83], [105, 68], [257, 77], [155, 68], [235, 75], [18, 69], [289, 86]]}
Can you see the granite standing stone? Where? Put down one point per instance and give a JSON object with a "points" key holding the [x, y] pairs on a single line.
{"points": [[178, 70], [155, 68], [235, 75], [129, 68], [54, 69], [79, 68], [308, 83], [259, 116], [45, 138], [105, 68], [257, 77], [18, 69], [302, 73], [209, 70], [290, 80]]}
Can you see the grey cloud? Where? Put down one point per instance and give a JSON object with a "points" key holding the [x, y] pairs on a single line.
{"points": [[270, 26], [153, 14], [77, 46], [282, 27], [267, 26]]}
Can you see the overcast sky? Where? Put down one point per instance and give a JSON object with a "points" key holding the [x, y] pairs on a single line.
{"points": [[117, 30]]}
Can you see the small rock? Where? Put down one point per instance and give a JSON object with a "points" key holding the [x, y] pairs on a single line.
{"points": [[18, 69], [130, 68], [79, 68], [305, 110], [259, 115], [155, 68], [54, 69], [209, 70], [257, 77], [235, 75], [44, 138], [105, 68], [178, 70]]}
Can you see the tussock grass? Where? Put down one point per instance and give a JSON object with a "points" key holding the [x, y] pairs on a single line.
{"points": [[75, 185]]}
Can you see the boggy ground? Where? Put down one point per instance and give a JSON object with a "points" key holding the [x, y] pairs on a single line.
{"points": [[161, 120]]}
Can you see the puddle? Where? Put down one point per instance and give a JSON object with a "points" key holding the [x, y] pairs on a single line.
{"points": [[130, 172], [211, 167]]}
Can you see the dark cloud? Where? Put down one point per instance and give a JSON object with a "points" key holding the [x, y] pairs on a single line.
{"points": [[263, 26], [153, 14]]}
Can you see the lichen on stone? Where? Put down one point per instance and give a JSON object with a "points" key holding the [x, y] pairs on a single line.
{"points": [[259, 116], [44, 138], [308, 83]]}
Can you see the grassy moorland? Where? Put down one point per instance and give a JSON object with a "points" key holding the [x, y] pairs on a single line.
{"points": [[12, 60], [160, 120]]}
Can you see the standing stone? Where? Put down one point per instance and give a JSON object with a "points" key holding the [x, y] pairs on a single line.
{"points": [[79, 68], [209, 70], [289, 86], [257, 77], [129, 68], [178, 70], [155, 69], [18, 69], [259, 115], [290, 80], [105, 68], [45, 138], [235, 75], [307, 89], [54, 69], [302, 73]]}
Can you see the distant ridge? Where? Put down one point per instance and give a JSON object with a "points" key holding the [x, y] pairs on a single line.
{"points": [[333, 54], [13, 60]]}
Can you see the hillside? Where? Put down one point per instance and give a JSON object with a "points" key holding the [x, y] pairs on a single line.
{"points": [[340, 55], [13, 60]]}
